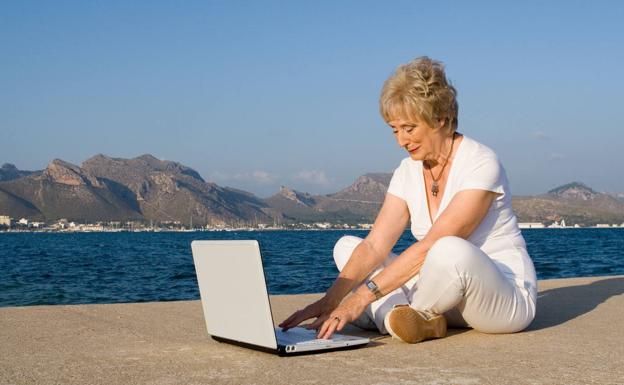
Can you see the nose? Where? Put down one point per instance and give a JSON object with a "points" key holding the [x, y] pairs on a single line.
{"points": [[401, 138]]}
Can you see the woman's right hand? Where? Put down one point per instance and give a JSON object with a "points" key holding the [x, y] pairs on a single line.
{"points": [[314, 310]]}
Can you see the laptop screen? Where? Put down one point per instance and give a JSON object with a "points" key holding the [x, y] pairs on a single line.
{"points": [[233, 291]]}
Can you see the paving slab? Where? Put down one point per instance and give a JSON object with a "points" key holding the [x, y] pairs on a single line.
{"points": [[576, 338]]}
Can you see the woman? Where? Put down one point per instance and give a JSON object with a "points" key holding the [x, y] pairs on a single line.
{"points": [[469, 267]]}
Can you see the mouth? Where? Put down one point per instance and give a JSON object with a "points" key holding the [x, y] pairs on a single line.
{"points": [[413, 150]]}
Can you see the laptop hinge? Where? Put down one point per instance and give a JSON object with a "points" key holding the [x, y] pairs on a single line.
{"points": [[248, 345]]}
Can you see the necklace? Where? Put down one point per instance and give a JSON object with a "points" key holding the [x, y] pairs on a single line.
{"points": [[435, 189]]}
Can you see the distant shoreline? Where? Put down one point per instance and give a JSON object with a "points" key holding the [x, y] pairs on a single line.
{"points": [[263, 230]]}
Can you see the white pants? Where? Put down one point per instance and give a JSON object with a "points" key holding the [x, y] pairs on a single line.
{"points": [[458, 280]]}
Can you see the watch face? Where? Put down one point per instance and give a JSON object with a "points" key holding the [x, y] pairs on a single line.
{"points": [[372, 286]]}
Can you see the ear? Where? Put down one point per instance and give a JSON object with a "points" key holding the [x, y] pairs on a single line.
{"points": [[441, 123]]}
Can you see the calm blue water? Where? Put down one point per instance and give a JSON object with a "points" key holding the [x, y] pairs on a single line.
{"points": [[54, 268]]}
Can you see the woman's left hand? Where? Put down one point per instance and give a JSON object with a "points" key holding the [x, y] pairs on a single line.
{"points": [[349, 310]]}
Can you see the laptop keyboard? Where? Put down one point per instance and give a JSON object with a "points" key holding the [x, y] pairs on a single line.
{"points": [[302, 336]]}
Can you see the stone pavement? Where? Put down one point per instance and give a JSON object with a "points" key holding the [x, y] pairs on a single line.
{"points": [[577, 338]]}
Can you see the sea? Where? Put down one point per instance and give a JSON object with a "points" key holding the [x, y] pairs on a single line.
{"points": [[86, 268]]}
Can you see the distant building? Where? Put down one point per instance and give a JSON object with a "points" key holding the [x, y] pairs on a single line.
{"points": [[531, 225], [23, 222], [5, 220], [61, 224], [602, 225], [92, 227], [557, 225]]}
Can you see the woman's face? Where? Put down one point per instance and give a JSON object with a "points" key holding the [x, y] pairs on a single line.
{"points": [[415, 136]]}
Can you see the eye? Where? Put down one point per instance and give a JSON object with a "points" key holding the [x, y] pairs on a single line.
{"points": [[409, 129]]}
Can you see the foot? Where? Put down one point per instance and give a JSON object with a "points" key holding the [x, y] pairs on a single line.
{"points": [[413, 326]]}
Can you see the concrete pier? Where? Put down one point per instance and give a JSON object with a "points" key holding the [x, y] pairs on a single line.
{"points": [[577, 338]]}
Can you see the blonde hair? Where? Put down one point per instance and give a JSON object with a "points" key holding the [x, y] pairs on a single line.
{"points": [[419, 89]]}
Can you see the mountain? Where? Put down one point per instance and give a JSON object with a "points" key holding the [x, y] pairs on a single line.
{"points": [[357, 203], [64, 190], [368, 187], [361, 201], [574, 202], [618, 196], [296, 197], [142, 188], [146, 188], [294, 206], [16, 207], [574, 191], [8, 172], [288, 199], [169, 191]]}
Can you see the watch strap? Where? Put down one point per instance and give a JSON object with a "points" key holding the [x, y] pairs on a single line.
{"points": [[372, 286]]}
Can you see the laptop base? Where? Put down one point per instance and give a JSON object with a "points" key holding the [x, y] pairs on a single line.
{"points": [[281, 349]]}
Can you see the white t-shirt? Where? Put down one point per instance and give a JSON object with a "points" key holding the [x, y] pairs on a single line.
{"points": [[475, 167]]}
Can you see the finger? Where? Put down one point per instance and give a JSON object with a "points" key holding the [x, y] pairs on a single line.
{"points": [[326, 325], [322, 329], [330, 329]]}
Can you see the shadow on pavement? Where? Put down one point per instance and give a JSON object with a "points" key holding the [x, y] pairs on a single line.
{"points": [[559, 305]]}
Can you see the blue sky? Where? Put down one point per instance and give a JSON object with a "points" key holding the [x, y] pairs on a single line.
{"points": [[256, 95]]}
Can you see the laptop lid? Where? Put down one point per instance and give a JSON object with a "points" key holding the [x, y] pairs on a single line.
{"points": [[233, 291]]}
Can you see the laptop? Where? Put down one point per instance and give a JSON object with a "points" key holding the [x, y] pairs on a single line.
{"points": [[236, 302]]}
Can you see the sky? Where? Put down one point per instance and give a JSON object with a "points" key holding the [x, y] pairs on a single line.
{"points": [[255, 95]]}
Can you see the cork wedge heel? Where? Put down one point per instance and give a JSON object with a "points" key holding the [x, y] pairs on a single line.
{"points": [[412, 326]]}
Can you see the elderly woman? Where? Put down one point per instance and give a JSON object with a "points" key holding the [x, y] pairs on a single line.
{"points": [[469, 268]]}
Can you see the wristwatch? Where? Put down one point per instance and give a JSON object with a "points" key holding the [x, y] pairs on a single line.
{"points": [[372, 286]]}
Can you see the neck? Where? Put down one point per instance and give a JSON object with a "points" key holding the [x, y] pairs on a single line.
{"points": [[441, 153]]}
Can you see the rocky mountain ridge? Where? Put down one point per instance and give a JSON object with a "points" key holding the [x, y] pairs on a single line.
{"points": [[142, 188], [8, 171], [145, 188], [297, 197], [574, 190], [575, 202], [63, 190]]}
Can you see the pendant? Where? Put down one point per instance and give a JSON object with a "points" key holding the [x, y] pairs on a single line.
{"points": [[434, 189]]}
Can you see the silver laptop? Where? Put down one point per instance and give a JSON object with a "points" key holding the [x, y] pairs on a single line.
{"points": [[236, 302]]}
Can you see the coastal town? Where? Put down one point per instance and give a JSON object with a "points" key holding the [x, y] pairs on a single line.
{"points": [[8, 224], [562, 225], [158, 195]]}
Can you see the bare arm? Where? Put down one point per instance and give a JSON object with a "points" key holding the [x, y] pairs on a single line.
{"points": [[388, 227], [462, 216]]}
